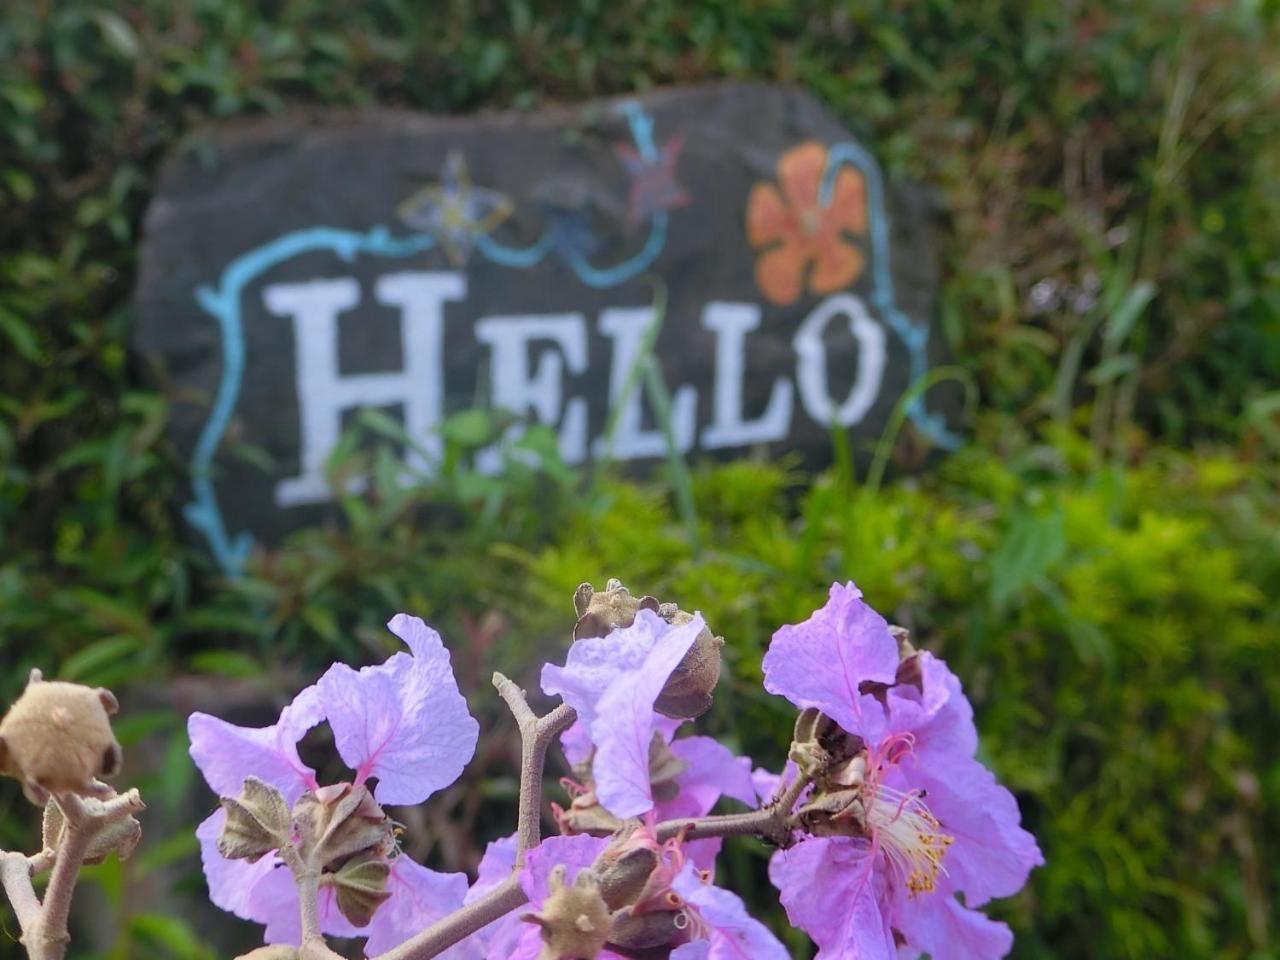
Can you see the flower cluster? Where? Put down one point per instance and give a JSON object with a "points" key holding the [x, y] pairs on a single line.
{"points": [[882, 817], [900, 816], [404, 723]]}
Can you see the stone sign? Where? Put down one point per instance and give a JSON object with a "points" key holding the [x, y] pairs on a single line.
{"points": [[296, 271]]}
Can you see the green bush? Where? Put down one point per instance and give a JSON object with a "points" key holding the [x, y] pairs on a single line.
{"points": [[1111, 288]]}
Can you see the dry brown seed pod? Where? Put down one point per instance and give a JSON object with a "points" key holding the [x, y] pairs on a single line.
{"points": [[687, 693], [57, 738], [574, 918], [119, 836]]}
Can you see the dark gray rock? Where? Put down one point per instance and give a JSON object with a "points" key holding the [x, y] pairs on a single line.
{"points": [[295, 270]]}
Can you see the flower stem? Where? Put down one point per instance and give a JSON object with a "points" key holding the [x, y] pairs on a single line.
{"points": [[44, 924], [536, 736]]}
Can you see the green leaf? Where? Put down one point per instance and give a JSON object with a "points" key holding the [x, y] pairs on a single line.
{"points": [[176, 936], [85, 665], [1128, 312], [1035, 541]]}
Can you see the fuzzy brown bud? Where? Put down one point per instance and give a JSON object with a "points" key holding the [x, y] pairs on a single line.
{"points": [[624, 874], [57, 738], [257, 822], [361, 886], [687, 693], [118, 836], [820, 743], [602, 612], [574, 918], [337, 821], [649, 931]]}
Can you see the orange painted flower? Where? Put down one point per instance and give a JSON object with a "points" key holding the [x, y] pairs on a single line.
{"points": [[801, 241]]}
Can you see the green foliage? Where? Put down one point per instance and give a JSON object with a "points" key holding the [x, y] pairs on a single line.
{"points": [[1111, 288], [1113, 630]]}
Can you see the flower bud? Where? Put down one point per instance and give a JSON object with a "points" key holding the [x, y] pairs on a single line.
{"points": [[687, 693], [361, 887], [337, 821], [624, 874], [599, 614], [57, 738], [903, 636], [649, 931], [119, 836], [257, 822], [664, 768], [585, 815], [820, 743], [574, 918]]}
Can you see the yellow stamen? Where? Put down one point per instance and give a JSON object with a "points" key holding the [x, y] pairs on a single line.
{"points": [[910, 836]]}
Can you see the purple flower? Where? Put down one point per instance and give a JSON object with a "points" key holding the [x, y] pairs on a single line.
{"points": [[719, 921], [729, 932], [404, 723], [613, 683], [821, 662], [925, 820], [575, 854]]}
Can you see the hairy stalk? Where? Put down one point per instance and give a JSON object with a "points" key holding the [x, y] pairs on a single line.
{"points": [[44, 924], [772, 823], [536, 736], [306, 876]]}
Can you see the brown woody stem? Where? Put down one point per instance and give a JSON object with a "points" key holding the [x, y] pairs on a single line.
{"points": [[536, 736], [44, 924]]}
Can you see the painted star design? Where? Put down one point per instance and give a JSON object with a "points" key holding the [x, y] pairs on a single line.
{"points": [[653, 180], [454, 211]]}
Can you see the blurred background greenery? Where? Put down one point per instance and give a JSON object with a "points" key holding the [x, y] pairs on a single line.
{"points": [[1099, 563]]}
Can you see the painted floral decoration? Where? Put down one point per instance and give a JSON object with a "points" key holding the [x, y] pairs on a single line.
{"points": [[454, 210], [802, 241]]}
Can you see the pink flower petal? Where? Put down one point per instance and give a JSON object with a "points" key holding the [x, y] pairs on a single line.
{"points": [[498, 940], [574, 853], [419, 897], [232, 882], [612, 682], [712, 770], [623, 727], [821, 662], [403, 721], [831, 890], [226, 754], [947, 930], [735, 935]]}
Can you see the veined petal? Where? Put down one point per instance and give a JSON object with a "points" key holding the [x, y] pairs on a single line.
{"points": [[735, 935], [623, 727], [226, 753], [499, 940], [574, 853], [419, 897], [711, 771], [404, 721], [594, 663], [613, 682], [946, 930], [822, 661], [830, 889]]}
